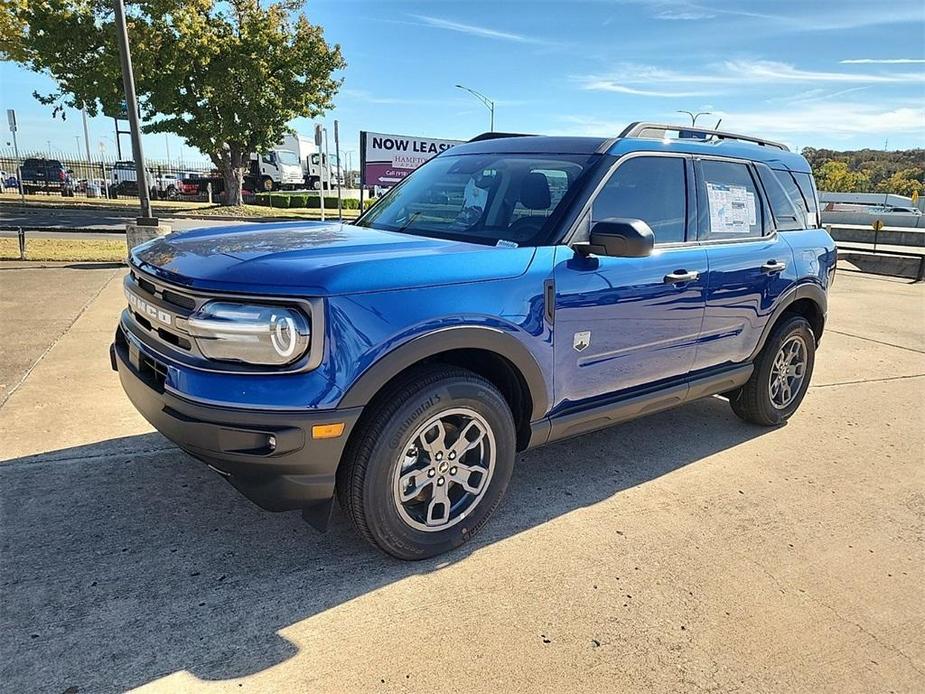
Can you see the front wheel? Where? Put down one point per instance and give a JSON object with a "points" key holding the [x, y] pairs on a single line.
{"points": [[781, 376], [430, 462]]}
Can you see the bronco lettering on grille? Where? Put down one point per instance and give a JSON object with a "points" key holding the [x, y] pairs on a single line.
{"points": [[148, 310]]}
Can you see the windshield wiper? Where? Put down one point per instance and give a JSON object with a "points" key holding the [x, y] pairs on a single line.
{"points": [[410, 221]]}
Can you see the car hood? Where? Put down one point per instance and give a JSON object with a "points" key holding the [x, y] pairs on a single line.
{"points": [[319, 258]]}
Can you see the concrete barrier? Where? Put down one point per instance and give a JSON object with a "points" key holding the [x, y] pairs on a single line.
{"points": [[136, 234], [891, 236]]}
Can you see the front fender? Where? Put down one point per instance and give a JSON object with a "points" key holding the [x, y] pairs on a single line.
{"points": [[443, 340]]}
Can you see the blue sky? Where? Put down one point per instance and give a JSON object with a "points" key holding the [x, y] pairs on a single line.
{"points": [[841, 74]]}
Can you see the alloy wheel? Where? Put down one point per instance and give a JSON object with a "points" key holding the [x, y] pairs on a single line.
{"points": [[444, 470], [788, 372]]}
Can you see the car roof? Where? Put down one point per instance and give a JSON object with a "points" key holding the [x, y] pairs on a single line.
{"points": [[773, 156]]}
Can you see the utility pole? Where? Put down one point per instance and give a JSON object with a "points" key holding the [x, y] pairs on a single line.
{"points": [[319, 141], [340, 211], [131, 105], [486, 102], [83, 113], [11, 118]]}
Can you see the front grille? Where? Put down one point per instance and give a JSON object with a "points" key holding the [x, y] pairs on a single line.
{"points": [[187, 302], [157, 316], [163, 316]]}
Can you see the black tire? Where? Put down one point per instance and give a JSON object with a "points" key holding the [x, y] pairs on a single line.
{"points": [[753, 401], [266, 184], [366, 477]]}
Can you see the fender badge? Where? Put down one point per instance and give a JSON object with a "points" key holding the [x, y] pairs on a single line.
{"points": [[582, 340]]}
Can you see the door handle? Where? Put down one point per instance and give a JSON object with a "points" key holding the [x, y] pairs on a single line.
{"points": [[773, 267], [679, 276]]}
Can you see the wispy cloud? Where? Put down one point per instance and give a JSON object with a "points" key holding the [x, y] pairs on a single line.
{"points": [[811, 95], [649, 80], [882, 61], [791, 17], [822, 121], [474, 30], [606, 85], [692, 14], [772, 71], [842, 118]]}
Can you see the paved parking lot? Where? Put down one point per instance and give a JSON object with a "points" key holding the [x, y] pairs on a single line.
{"points": [[683, 552]]}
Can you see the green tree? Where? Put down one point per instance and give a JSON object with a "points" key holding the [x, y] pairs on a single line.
{"points": [[902, 183], [226, 76], [836, 177]]}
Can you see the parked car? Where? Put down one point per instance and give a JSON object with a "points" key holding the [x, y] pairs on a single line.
{"points": [[8, 180], [511, 292], [894, 209], [197, 187], [46, 175], [169, 185]]}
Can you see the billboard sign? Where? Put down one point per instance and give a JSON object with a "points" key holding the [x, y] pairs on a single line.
{"points": [[386, 159]]}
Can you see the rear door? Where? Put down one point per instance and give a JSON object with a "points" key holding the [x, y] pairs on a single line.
{"points": [[750, 263], [623, 323]]}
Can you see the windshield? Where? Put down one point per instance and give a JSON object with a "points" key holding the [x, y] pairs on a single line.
{"points": [[484, 198], [287, 157]]}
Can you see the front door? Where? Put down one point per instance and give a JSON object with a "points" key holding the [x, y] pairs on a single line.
{"points": [[625, 323]]}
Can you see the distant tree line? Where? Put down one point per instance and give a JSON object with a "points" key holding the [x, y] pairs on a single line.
{"points": [[868, 170]]}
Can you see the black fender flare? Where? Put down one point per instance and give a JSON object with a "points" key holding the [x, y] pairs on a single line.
{"points": [[813, 292], [409, 353]]}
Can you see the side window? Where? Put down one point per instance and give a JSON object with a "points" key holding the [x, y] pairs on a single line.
{"points": [[787, 216], [808, 189], [653, 189], [785, 178], [731, 204]]}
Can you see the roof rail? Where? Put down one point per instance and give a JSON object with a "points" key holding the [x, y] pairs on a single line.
{"points": [[658, 130], [495, 135]]}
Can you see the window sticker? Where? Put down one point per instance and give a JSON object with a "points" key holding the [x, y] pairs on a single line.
{"points": [[732, 209]]}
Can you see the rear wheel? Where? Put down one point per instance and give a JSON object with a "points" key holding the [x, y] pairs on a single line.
{"points": [[781, 376], [430, 463]]}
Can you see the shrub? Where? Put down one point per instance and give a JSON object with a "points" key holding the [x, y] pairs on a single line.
{"points": [[298, 200]]}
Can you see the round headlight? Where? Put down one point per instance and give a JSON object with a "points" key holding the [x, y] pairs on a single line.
{"points": [[250, 333]]}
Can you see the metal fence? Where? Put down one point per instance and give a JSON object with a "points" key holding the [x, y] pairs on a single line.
{"points": [[56, 173]]}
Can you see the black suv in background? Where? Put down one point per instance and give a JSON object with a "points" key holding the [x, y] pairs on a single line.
{"points": [[46, 174]]}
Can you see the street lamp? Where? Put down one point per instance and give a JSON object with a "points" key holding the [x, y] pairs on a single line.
{"points": [[695, 116], [486, 102], [131, 105]]}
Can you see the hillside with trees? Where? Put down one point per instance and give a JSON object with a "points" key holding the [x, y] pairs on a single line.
{"points": [[900, 172]]}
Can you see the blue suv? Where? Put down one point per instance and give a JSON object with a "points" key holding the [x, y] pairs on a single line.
{"points": [[513, 291]]}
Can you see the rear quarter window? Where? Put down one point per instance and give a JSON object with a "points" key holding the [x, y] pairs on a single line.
{"points": [[808, 189], [788, 213]]}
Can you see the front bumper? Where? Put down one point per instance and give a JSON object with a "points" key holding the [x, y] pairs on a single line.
{"points": [[289, 471]]}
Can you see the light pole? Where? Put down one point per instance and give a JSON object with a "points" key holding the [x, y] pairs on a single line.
{"points": [[486, 102], [695, 116], [131, 105]]}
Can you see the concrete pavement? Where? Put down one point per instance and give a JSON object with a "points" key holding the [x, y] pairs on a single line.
{"points": [[682, 552]]}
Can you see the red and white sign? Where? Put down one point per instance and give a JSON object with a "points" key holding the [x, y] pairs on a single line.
{"points": [[386, 159]]}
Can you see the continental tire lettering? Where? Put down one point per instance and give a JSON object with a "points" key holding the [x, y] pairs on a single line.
{"points": [[412, 418]]}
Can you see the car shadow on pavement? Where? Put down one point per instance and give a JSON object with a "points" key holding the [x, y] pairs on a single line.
{"points": [[126, 561]]}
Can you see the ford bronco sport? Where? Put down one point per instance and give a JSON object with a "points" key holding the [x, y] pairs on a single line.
{"points": [[513, 291]]}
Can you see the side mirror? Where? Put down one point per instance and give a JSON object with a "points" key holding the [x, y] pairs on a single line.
{"points": [[619, 238]]}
